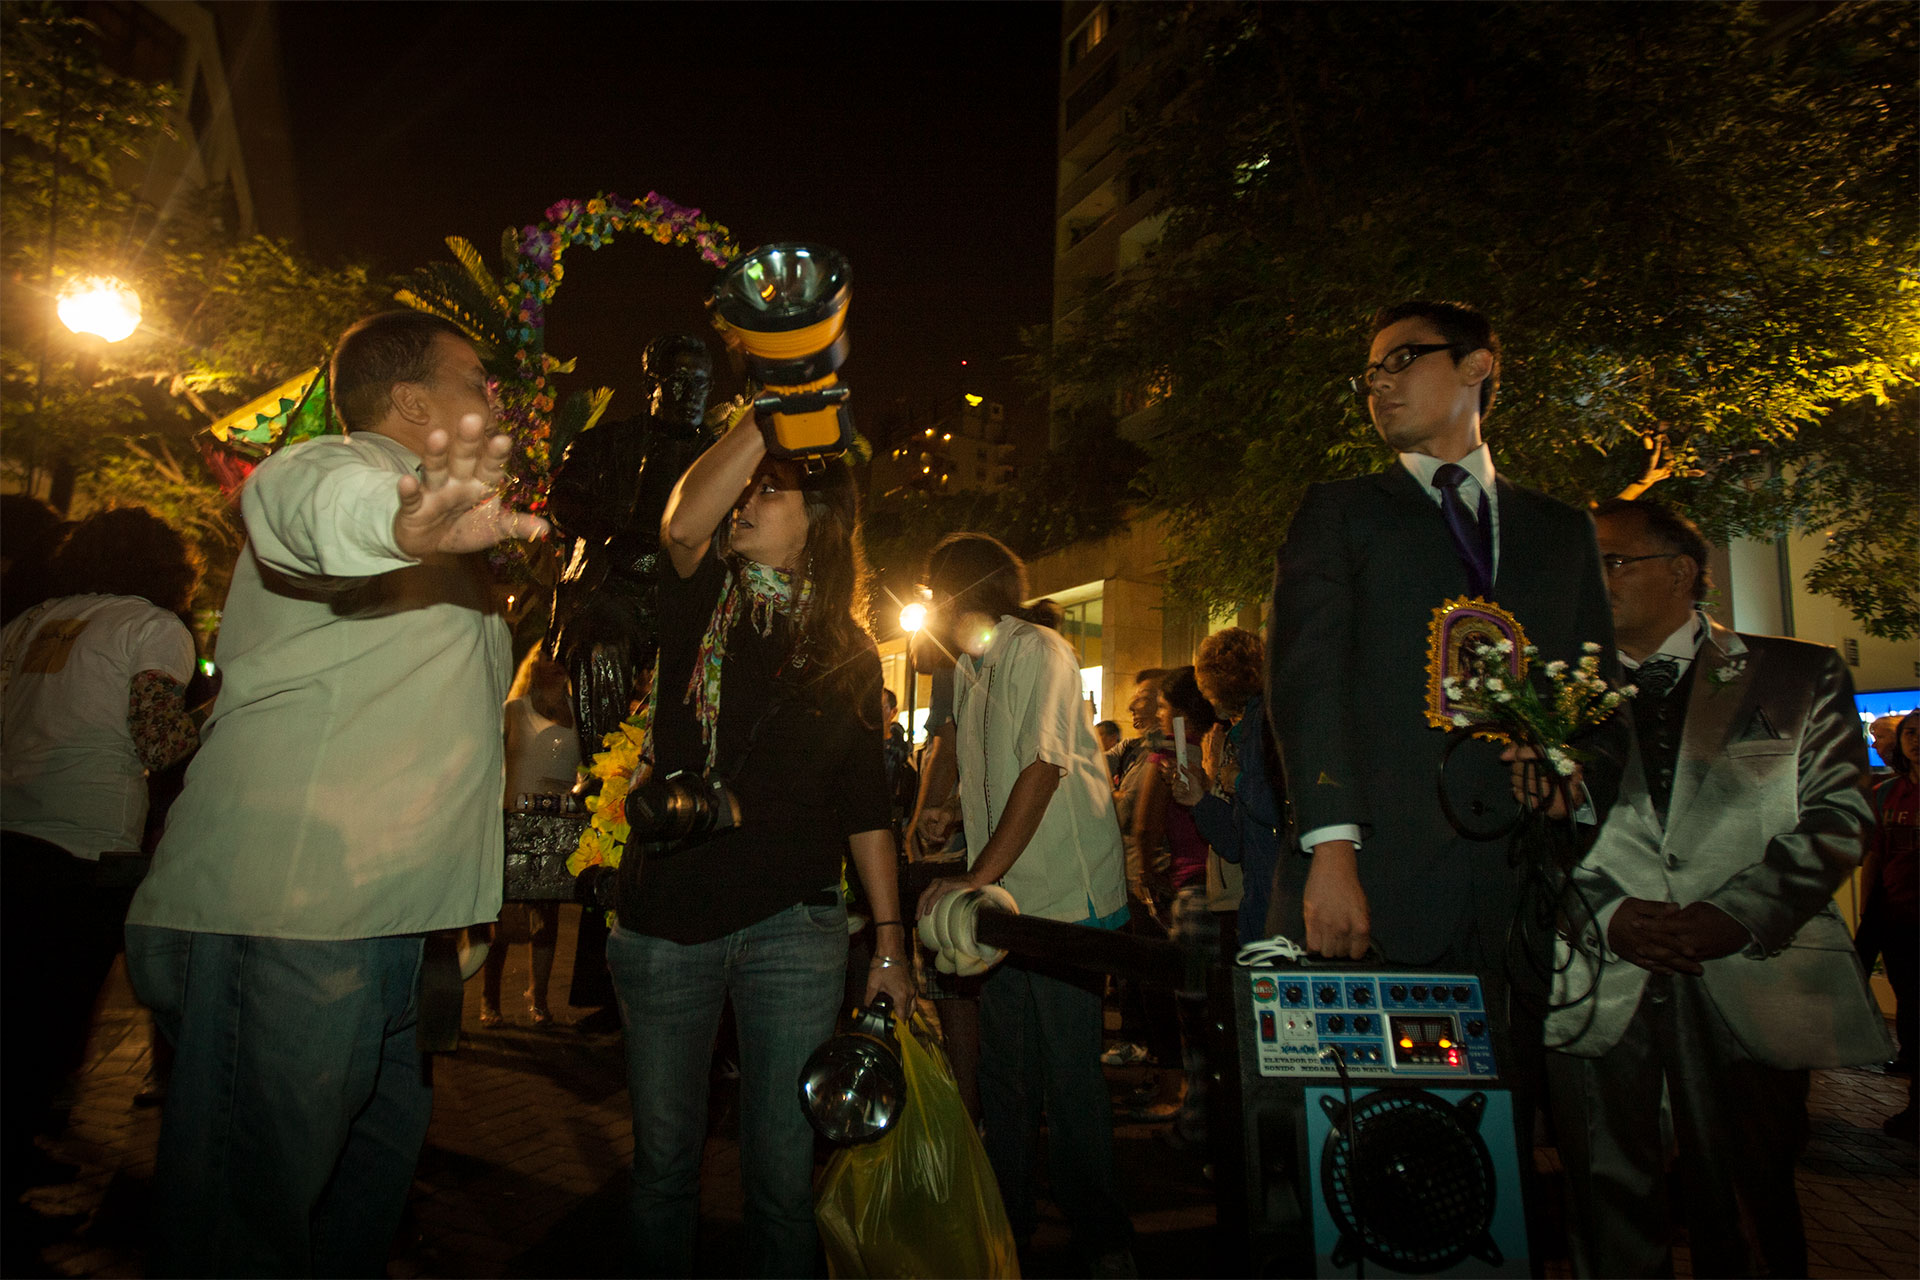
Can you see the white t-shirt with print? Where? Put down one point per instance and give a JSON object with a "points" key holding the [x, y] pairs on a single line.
{"points": [[70, 773]]}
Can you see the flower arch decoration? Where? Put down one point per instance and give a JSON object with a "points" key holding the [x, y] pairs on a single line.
{"points": [[506, 316]]}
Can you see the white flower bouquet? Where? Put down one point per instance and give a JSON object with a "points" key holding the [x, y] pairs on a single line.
{"points": [[1486, 678]]}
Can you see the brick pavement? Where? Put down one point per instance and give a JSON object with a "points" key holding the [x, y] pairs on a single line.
{"points": [[525, 1168]]}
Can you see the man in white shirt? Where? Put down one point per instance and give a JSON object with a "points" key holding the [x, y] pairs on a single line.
{"points": [[1038, 810], [345, 802]]}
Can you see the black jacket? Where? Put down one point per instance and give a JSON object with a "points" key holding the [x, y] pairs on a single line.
{"points": [[1364, 567]]}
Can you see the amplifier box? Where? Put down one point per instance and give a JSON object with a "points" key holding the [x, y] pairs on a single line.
{"points": [[1406, 1167], [1402, 1023]]}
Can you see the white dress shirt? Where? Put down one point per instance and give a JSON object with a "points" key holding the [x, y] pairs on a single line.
{"points": [[1018, 704], [349, 780], [1681, 647]]}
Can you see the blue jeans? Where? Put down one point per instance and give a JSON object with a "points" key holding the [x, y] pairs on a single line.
{"points": [[786, 975], [297, 1107], [1040, 1032]]}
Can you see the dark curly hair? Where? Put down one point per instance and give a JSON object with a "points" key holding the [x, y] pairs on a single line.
{"points": [[833, 636], [127, 551], [1182, 693], [1231, 667]]}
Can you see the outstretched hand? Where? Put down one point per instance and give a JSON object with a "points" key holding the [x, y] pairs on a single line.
{"points": [[455, 504]]}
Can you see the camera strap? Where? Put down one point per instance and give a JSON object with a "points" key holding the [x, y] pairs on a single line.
{"points": [[753, 735]]}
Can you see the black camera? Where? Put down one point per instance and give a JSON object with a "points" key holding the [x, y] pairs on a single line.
{"points": [[661, 813], [681, 806]]}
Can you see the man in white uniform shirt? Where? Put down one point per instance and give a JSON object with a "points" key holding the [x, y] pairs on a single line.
{"points": [[1024, 771], [345, 802]]}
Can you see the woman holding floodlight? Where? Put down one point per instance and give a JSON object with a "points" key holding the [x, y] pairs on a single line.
{"points": [[765, 679]]}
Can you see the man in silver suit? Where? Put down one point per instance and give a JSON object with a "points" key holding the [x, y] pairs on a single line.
{"points": [[1716, 962]]}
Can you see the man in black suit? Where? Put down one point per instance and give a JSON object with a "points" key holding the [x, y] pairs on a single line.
{"points": [[1365, 565]]}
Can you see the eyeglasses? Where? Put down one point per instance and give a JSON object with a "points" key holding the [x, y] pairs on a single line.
{"points": [[1396, 361], [1615, 564]]}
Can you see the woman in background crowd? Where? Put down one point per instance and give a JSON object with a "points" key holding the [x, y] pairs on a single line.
{"points": [[1242, 816], [1890, 920], [94, 689], [543, 754], [1149, 1026], [1185, 716]]}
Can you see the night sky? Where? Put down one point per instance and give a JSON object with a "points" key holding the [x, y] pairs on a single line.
{"points": [[918, 139]]}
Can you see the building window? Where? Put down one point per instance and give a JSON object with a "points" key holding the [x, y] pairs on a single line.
{"points": [[1089, 95], [1087, 36], [1080, 625]]}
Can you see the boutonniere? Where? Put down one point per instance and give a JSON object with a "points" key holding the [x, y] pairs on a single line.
{"points": [[1729, 671]]}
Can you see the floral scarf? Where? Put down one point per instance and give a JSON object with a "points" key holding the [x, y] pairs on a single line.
{"points": [[765, 591]]}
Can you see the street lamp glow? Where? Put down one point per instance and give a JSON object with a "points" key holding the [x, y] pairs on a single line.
{"points": [[913, 617], [100, 305]]}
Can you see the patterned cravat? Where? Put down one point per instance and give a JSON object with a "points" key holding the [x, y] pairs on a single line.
{"points": [[1472, 539], [1656, 676]]}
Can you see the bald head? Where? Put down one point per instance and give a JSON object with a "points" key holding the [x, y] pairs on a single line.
{"points": [[1881, 732]]}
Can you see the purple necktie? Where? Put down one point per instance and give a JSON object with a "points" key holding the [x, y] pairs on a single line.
{"points": [[1472, 539]]}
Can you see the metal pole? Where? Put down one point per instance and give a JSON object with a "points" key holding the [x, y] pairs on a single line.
{"points": [[46, 331], [913, 687]]}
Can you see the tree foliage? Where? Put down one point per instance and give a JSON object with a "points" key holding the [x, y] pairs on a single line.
{"points": [[1080, 491], [225, 315], [1695, 229]]}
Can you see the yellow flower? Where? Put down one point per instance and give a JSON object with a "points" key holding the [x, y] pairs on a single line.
{"points": [[605, 838]]}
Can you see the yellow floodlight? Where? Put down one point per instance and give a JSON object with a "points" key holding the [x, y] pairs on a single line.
{"points": [[787, 305]]}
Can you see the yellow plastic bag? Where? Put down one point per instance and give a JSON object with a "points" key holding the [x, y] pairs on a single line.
{"points": [[921, 1201]]}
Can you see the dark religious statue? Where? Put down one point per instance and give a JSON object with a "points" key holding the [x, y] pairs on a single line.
{"points": [[608, 494]]}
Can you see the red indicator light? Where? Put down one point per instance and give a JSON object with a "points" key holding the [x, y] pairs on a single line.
{"points": [[1453, 1057]]}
